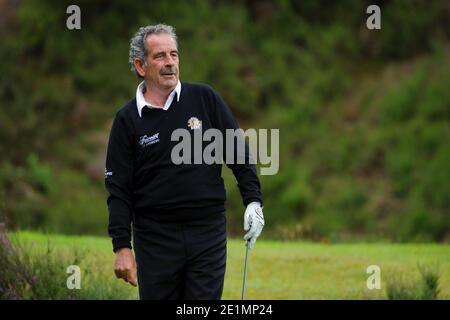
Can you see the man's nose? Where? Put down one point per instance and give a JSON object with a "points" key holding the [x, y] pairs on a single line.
{"points": [[169, 61]]}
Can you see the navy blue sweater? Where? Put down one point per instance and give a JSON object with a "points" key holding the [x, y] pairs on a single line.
{"points": [[142, 181]]}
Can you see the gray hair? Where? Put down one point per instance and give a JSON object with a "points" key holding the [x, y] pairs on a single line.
{"points": [[138, 48]]}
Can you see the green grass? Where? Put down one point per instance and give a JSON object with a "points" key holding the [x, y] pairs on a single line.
{"points": [[277, 270]]}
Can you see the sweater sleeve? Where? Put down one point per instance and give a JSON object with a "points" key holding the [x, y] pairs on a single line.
{"points": [[118, 183], [241, 166]]}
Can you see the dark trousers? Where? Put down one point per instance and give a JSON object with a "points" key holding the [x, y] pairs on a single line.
{"points": [[182, 261]]}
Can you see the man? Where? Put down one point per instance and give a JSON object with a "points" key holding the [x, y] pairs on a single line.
{"points": [[177, 211]]}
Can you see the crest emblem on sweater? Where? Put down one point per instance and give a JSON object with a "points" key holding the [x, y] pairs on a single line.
{"points": [[194, 123]]}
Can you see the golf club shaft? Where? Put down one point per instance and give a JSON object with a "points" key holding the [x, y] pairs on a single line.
{"points": [[245, 272]]}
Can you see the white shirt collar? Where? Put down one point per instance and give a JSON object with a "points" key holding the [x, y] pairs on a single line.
{"points": [[141, 102]]}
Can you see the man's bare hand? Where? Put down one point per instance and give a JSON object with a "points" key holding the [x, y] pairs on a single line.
{"points": [[125, 266]]}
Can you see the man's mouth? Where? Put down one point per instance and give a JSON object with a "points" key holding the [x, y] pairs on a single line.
{"points": [[168, 73]]}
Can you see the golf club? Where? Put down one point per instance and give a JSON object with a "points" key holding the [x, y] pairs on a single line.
{"points": [[245, 272]]}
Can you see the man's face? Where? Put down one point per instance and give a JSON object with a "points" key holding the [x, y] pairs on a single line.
{"points": [[162, 61]]}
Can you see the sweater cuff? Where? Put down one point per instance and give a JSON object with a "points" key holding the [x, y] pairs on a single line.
{"points": [[248, 201], [119, 243]]}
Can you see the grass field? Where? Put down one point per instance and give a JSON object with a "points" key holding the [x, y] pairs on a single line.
{"points": [[277, 270]]}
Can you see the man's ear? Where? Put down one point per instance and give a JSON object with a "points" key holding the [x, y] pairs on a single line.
{"points": [[139, 66]]}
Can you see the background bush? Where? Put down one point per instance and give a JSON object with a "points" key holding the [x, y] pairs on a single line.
{"points": [[363, 115], [36, 272]]}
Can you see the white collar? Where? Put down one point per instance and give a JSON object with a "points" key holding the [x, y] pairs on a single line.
{"points": [[141, 102]]}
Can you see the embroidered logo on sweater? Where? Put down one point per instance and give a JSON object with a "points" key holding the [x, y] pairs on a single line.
{"points": [[108, 173], [145, 140], [194, 123]]}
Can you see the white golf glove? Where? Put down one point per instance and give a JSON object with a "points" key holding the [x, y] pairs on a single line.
{"points": [[253, 223]]}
